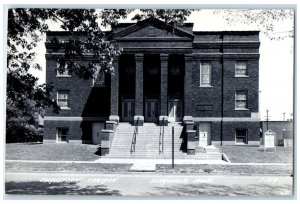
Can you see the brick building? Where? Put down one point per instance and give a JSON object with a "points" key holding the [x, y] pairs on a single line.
{"points": [[207, 78]]}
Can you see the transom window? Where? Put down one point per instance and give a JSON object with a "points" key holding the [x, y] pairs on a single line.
{"points": [[205, 74], [62, 134], [241, 136], [241, 99], [241, 69], [65, 72], [63, 98]]}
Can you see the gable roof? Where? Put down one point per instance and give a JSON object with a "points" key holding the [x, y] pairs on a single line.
{"points": [[155, 23]]}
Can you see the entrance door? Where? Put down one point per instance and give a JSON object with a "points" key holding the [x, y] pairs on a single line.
{"points": [[203, 138], [175, 110], [204, 131], [152, 108], [128, 110], [97, 127]]}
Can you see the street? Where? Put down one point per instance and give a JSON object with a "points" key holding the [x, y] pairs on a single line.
{"points": [[145, 184]]}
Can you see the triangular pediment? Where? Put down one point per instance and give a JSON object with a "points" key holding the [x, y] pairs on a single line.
{"points": [[152, 28]]}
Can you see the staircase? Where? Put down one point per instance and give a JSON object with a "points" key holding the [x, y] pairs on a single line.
{"points": [[147, 143]]}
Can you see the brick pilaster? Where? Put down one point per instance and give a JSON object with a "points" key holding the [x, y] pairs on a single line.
{"points": [[164, 84], [139, 59], [114, 92], [188, 90]]}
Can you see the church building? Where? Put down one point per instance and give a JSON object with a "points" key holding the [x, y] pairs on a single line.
{"points": [[165, 76]]}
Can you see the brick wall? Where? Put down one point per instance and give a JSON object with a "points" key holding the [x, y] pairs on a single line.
{"points": [[84, 100]]}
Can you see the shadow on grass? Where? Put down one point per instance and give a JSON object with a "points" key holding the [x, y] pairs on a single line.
{"points": [[40, 188], [221, 190], [98, 152]]}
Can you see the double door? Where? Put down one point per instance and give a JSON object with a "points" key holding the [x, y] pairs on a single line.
{"points": [[151, 110], [128, 110]]}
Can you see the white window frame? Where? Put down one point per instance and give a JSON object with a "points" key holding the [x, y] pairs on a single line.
{"points": [[68, 99], [57, 134], [95, 77], [210, 78], [246, 93], [64, 74], [246, 136], [246, 69]]}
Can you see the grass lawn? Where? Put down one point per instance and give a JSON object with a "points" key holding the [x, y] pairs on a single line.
{"points": [[66, 167], [52, 152], [245, 154]]}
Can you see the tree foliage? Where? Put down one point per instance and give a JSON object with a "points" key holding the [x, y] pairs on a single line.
{"points": [[264, 19], [26, 26]]}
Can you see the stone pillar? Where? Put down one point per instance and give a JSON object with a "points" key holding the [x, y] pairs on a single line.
{"points": [[164, 84], [139, 95], [114, 89], [106, 140], [191, 144], [111, 125], [188, 93]]}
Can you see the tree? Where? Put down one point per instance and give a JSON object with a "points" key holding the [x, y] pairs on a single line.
{"points": [[26, 27], [265, 19]]}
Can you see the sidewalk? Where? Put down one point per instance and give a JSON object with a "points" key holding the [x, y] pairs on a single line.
{"points": [[118, 165], [155, 161]]}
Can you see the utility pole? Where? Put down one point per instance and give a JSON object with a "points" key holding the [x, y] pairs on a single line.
{"points": [[283, 116], [172, 147], [267, 119]]}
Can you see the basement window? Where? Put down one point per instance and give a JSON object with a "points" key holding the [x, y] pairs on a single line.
{"points": [[62, 134], [241, 136]]}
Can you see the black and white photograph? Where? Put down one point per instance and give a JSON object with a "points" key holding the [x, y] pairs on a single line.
{"points": [[148, 102]]}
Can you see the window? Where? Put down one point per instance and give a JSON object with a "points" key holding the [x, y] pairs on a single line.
{"points": [[241, 136], [205, 74], [99, 78], [241, 100], [241, 69], [62, 134], [63, 99], [65, 72]]}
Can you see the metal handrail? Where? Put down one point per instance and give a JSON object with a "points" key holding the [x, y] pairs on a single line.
{"points": [[161, 137], [135, 133]]}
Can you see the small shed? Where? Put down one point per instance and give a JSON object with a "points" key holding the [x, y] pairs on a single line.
{"points": [[269, 139]]}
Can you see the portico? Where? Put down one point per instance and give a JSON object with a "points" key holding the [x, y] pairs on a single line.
{"points": [[148, 85]]}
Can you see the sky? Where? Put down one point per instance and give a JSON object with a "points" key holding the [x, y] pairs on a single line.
{"points": [[276, 61]]}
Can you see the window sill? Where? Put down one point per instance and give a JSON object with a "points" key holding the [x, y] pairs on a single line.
{"points": [[241, 76], [63, 76], [65, 108], [205, 86], [98, 86], [241, 109]]}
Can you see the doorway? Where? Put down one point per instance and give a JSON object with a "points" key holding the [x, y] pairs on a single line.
{"points": [[175, 110], [128, 110], [151, 110]]}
